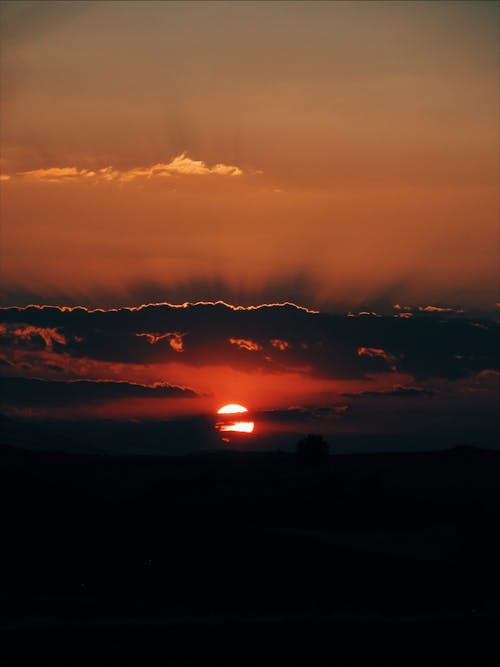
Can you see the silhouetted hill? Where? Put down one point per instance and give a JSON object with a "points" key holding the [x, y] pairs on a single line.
{"points": [[201, 550], [179, 437]]}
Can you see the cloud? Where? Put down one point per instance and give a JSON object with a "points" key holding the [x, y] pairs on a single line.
{"points": [[245, 344], [29, 333], [407, 311], [318, 345], [364, 313], [439, 309], [58, 174], [30, 392], [180, 165], [398, 392], [304, 414], [280, 344], [375, 352], [174, 339]]}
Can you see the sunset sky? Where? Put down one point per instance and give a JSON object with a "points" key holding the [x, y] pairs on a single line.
{"points": [[342, 156]]}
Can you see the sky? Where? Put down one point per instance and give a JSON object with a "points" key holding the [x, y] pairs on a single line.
{"points": [[341, 156]]}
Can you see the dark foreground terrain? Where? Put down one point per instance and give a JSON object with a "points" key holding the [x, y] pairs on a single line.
{"points": [[250, 559]]}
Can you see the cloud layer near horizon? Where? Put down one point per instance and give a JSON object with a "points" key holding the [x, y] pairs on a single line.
{"points": [[62, 344]]}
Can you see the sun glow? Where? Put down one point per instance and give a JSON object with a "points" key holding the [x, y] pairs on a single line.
{"points": [[237, 427]]}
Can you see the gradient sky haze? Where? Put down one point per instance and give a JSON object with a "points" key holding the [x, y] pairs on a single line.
{"points": [[362, 137]]}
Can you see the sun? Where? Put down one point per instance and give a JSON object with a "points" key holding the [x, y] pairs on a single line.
{"points": [[231, 425], [231, 409]]}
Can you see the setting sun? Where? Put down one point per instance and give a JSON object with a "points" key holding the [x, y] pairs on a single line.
{"points": [[229, 425], [231, 409]]}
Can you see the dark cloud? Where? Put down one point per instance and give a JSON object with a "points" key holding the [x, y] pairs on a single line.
{"points": [[302, 286], [434, 345], [307, 414], [30, 392], [398, 392]]}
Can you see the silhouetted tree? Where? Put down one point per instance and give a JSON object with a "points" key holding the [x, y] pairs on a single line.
{"points": [[312, 450]]}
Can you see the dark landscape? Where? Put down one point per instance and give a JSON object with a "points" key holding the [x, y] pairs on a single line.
{"points": [[250, 558]]}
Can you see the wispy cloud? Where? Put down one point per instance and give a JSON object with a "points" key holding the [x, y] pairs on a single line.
{"points": [[49, 335], [280, 344], [58, 174], [425, 309], [180, 165], [246, 344], [375, 352], [174, 339]]}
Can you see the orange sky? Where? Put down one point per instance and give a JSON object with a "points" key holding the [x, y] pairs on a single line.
{"points": [[330, 153]]}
